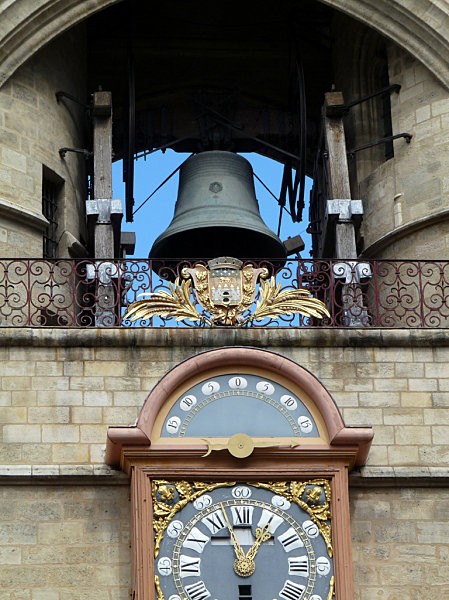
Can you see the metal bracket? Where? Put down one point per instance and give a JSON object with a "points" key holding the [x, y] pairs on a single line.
{"points": [[352, 271], [394, 87], [390, 138], [60, 95], [86, 153]]}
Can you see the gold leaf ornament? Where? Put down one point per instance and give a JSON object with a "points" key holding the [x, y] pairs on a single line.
{"points": [[181, 300], [274, 302], [173, 304]]}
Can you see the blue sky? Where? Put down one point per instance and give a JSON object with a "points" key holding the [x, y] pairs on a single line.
{"points": [[156, 214]]}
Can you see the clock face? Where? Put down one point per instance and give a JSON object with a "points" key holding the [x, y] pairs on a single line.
{"points": [[242, 541], [230, 403]]}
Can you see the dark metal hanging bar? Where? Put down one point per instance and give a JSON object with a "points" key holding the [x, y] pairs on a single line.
{"points": [[385, 140]]}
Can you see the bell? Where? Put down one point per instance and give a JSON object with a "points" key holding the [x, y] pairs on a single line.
{"points": [[217, 214]]}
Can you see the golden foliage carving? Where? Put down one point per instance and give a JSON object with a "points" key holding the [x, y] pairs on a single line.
{"points": [[165, 507], [174, 304], [315, 498], [274, 302]]}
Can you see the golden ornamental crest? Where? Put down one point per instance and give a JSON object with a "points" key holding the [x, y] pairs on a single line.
{"points": [[225, 291]]}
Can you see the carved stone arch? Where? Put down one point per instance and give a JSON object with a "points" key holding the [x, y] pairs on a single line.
{"points": [[419, 27], [28, 25], [272, 365]]}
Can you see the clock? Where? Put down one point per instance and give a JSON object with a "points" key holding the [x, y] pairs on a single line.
{"points": [[240, 401], [242, 541], [230, 523]]}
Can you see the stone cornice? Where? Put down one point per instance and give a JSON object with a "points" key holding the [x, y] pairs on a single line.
{"points": [[403, 231], [24, 215], [367, 477], [267, 337]]}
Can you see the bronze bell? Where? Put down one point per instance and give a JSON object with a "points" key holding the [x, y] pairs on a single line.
{"points": [[217, 213]]}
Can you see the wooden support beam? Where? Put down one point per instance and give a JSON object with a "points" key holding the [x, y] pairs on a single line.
{"points": [[102, 119], [103, 212], [336, 147], [341, 211]]}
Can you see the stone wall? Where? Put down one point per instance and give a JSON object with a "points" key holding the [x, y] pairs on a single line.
{"points": [[411, 187], [405, 197], [64, 542], [59, 396], [400, 547], [64, 515], [60, 542], [33, 126]]}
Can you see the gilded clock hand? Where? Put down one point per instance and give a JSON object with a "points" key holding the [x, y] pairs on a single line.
{"points": [[263, 534], [237, 548], [242, 445], [213, 446], [243, 566]]}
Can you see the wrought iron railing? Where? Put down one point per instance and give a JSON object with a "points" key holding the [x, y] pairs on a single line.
{"points": [[88, 293]]}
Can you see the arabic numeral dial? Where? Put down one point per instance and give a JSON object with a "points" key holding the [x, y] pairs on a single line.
{"points": [[311, 529], [164, 566], [241, 491], [323, 566], [187, 402], [174, 528], [265, 387], [289, 402], [202, 502], [172, 425], [210, 387], [305, 424], [238, 383]]}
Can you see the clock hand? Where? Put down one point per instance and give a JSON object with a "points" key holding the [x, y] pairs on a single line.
{"points": [[242, 445], [213, 446], [237, 548], [263, 534]]}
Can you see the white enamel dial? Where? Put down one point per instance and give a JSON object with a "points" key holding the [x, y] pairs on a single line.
{"points": [[223, 405]]}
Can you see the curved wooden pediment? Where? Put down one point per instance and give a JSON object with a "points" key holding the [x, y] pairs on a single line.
{"points": [[147, 438]]}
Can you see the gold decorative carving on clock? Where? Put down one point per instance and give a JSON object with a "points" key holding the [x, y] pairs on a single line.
{"points": [[170, 497], [313, 496]]}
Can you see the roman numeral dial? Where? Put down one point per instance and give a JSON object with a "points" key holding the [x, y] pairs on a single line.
{"points": [[244, 542]]}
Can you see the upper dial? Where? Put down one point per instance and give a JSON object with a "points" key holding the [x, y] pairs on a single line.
{"points": [[223, 405]]}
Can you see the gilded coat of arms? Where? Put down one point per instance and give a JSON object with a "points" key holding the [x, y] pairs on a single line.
{"points": [[225, 290]]}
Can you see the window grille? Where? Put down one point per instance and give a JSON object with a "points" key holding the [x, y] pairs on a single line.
{"points": [[50, 194]]}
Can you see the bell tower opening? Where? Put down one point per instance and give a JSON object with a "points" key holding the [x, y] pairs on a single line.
{"points": [[203, 81], [237, 78]]}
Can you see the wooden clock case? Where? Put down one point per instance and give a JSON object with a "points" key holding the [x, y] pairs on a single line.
{"points": [[144, 455]]}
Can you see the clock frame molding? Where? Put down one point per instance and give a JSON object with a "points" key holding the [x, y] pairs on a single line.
{"points": [[139, 452]]}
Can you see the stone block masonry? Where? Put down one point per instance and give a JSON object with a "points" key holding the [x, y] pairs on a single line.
{"points": [[57, 407], [65, 516], [64, 542]]}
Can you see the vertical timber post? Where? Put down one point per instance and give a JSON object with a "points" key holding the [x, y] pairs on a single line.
{"points": [[342, 210], [102, 119], [104, 212]]}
